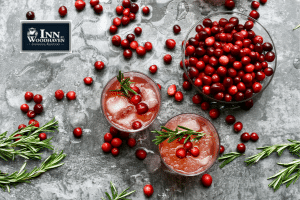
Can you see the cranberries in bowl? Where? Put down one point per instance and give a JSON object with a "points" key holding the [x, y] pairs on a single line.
{"points": [[134, 112], [229, 57]]}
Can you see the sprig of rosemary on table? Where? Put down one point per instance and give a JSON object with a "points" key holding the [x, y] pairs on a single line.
{"points": [[293, 147], [125, 85], [177, 134], [53, 161], [228, 158], [29, 143], [297, 27], [115, 195], [286, 176]]}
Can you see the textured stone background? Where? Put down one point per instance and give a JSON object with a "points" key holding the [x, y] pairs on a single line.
{"points": [[87, 171]]}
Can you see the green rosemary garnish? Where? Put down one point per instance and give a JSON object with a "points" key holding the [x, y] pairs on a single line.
{"points": [[177, 134], [297, 27], [125, 85], [228, 158], [115, 195]]}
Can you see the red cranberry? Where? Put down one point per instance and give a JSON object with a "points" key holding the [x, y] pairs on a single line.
{"points": [[241, 148], [113, 29], [245, 137], [77, 132], [248, 104], [206, 89], [141, 154], [28, 96], [255, 4], [62, 11], [230, 119], [199, 28], [42, 136], [106, 147], [248, 93], [227, 82], [30, 15], [256, 87], [168, 58], [249, 25], [200, 65], [126, 3], [148, 190], [254, 137], [136, 99], [116, 40], [134, 8], [98, 9], [99, 65], [114, 131], [228, 29], [198, 82], [247, 78], [258, 39], [24, 108], [94, 2], [116, 142], [148, 46], [153, 69], [235, 50], [125, 20], [38, 108], [186, 85], [206, 180], [71, 95], [260, 76], [197, 99], [131, 142], [159, 86], [88, 80], [119, 10], [188, 146], [136, 125], [136, 89], [170, 43], [207, 22], [223, 22], [138, 30], [141, 108], [232, 90], [268, 71], [234, 21], [127, 53], [79, 4], [181, 153], [224, 60], [208, 42], [178, 96], [195, 152], [222, 71], [108, 137], [263, 1], [134, 45], [126, 12], [130, 37], [34, 123], [254, 14], [214, 113], [227, 97], [146, 10], [222, 149], [141, 51], [31, 114], [117, 21], [132, 16], [270, 56], [238, 126], [176, 29], [115, 151], [267, 46], [21, 126], [205, 106]]}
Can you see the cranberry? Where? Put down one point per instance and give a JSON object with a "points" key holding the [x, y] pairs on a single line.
{"points": [[127, 53], [176, 29], [99, 65], [205, 106], [170, 43], [214, 113], [181, 153], [136, 99], [188, 146], [134, 45], [223, 22], [28, 96], [186, 85], [148, 190], [178, 96], [159, 86], [222, 149], [136, 125], [71, 95], [38, 98], [113, 29], [79, 4], [230, 119], [206, 90], [238, 126], [141, 51], [136, 89], [232, 90], [228, 29], [263, 1], [132, 16], [198, 82], [141, 154], [94, 2], [247, 78], [208, 42], [224, 60], [126, 12], [126, 3], [268, 71], [77, 132], [21, 126], [34, 123], [38, 108], [24, 108], [125, 20], [148, 46], [254, 137], [267, 46], [115, 151], [119, 10], [134, 8], [168, 58], [258, 39], [116, 142], [62, 11], [195, 152], [141, 108], [146, 10], [138, 30], [245, 137], [153, 69], [116, 40], [241, 148], [256, 87], [207, 22], [114, 131], [31, 114], [131, 142], [108, 137], [206, 180], [254, 14], [42, 136], [270, 56], [88, 80], [227, 97], [199, 28], [197, 99], [106, 147], [235, 50], [255, 4], [98, 9], [30, 15]]}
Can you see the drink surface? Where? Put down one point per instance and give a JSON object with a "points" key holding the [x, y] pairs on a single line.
{"points": [[120, 112], [207, 145]]}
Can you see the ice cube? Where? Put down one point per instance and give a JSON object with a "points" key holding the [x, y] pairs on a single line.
{"points": [[115, 105], [204, 161], [149, 97], [191, 124], [127, 120]]}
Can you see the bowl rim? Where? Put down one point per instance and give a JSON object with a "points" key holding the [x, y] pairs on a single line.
{"points": [[218, 152], [197, 88], [126, 130]]}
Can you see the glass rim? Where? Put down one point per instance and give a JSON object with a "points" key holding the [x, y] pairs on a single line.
{"points": [[218, 152], [126, 130], [197, 88]]}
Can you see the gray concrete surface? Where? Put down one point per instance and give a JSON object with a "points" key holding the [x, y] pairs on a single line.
{"points": [[87, 171]]}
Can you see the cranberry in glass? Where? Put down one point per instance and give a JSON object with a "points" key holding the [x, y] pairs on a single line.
{"points": [[176, 29], [195, 152], [229, 4], [30, 15], [241, 148], [141, 108], [62, 11], [181, 153], [268, 71], [234, 21], [146, 10], [207, 22], [136, 125], [206, 90], [256, 87], [270, 56]]}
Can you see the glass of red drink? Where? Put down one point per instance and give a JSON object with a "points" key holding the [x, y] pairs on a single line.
{"points": [[121, 113], [208, 146]]}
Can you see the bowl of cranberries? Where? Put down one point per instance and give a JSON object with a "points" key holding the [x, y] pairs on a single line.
{"points": [[229, 57]]}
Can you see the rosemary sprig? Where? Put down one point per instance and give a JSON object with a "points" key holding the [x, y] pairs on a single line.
{"points": [[229, 157], [125, 85], [29, 144], [286, 176], [115, 195], [297, 27], [53, 161], [293, 147], [177, 134]]}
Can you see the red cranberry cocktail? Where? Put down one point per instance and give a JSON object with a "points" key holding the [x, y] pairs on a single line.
{"points": [[133, 112], [194, 157]]}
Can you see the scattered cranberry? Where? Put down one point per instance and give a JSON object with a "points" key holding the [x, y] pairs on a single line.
{"points": [[238, 126], [205, 106], [59, 94], [230, 119], [176, 29], [168, 58], [21, 126], [62, 11], [79, 4], [241, 148], [126, 12], [115, 151], [137, 125], [138, 30], [206, 180], [108, 137], [172, 90], [141, 51], [254, 14], [31, 114], [119, 10], [24, 108], [197, 99], [88, 80], [134, 45], [170, 43], [113, 131], [38, 98], [132, 16], [195, 152], [153, 69], [141, 108], [148, 190], [186, 85], [141, 154], [99, 65], [127, 53], [222, 149], [134, 8], [113, 29], [125, 20], [116, 142], [28, 96], [131, 142], [188, 146], [214, 113], [17, 135], [126, 3], [98, 9], [181, 153], [229, 4], [178, 96], [146, 10], [106, 147], [71, 95], [148, 46], [38, 108], [254, 137], [255, 4], [77, 132], [94, 2], [30, 15], [117, 21], [245, 137], [42, 136], [34, 123], [263, 1], [116, 40]]}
